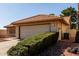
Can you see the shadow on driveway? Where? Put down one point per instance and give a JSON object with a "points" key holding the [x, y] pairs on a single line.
{"points": [[3, 39]]}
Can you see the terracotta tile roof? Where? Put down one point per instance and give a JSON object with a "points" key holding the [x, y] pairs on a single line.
{"points": [[38, 18]]}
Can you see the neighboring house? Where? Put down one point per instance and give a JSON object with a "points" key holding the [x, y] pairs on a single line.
{"points": [[40, 23], [3, 33]]}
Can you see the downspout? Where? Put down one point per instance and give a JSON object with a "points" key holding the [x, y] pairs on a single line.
{"points": [[19, 32]]}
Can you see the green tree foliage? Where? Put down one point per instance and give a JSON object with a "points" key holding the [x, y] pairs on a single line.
{"points": [[52, 14], [68, 11]]}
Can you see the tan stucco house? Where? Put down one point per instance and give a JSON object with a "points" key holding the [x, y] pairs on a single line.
{"points": [[27, 27]]}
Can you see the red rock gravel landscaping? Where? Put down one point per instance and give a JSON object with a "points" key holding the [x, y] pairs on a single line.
{"points": [[66, 53], [59, 48]]}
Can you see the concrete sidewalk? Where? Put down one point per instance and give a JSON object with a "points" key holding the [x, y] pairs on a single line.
{"points": [[6, 45]]}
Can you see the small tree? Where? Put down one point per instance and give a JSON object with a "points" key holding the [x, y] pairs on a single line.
{"points": [[68, 11], [52, 14]]}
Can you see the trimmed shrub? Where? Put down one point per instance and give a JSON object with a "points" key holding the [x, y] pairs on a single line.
{"points": [[17, 51], [34, 45]]}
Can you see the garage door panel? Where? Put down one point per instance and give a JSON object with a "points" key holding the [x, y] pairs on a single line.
{"points": [[27, 31]]}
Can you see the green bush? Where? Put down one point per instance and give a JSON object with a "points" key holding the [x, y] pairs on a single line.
{"points": [[17, 51], [34, 45]]}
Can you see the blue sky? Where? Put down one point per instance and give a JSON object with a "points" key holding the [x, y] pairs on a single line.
{"points": [[10, 12]]}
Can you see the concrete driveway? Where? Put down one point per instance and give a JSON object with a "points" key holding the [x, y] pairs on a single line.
{"points": [[6, 44]]}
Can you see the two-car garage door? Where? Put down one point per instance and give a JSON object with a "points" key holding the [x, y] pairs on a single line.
{"points": [[26, 31]]}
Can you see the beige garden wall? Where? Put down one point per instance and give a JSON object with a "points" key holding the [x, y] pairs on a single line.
{"points": [[3, 33]]}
